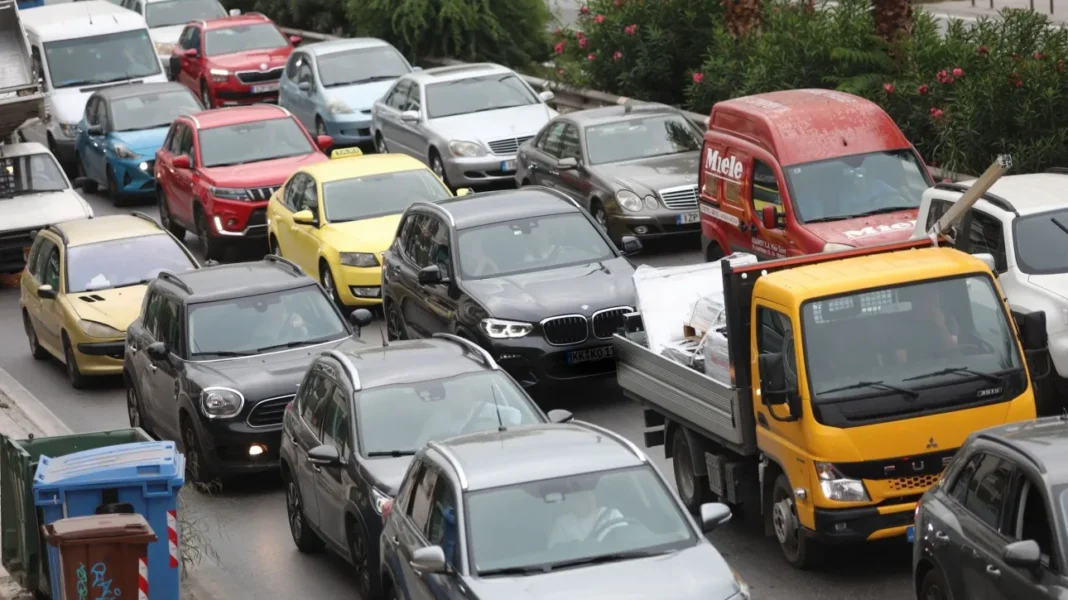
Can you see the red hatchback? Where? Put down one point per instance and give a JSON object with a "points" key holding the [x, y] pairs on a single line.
{"points": [[233, 60], [217, 169]]}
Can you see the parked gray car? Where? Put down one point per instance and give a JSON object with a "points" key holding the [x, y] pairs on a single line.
{"points": [[466, 122], [547, 511], [634, 167]]}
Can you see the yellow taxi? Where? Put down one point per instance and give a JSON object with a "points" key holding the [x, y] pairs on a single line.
{"points": [[84, 283], [335, 219]]}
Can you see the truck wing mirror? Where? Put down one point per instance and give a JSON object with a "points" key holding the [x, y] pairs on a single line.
{"points": [[1035, 341], [772, 379], [770, 217]]}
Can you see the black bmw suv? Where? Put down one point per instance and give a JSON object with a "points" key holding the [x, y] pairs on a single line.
{"points": [[217, 354], [525, 273]]}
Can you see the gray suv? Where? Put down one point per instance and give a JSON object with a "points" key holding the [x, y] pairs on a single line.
{"points": [[545, 511]]}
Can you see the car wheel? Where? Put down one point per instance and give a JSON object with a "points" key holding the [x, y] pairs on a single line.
{"points": [[800, 551], [196, 468], [361, 560], [90, 186], [693, 489], [74, 374], [165, 217], [933, 586], [380, 144], [205, 96], [113, 189], [134, 408], [305, 539], [320, 127], [327, 279], [601, 218], [438, 167], [275, 248], [209, 244], [36, 350], [394, 325]]}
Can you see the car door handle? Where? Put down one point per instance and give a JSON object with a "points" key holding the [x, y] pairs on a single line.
{"points": [[153, 367], [993, 571], [395, 539], [131, 348], [317, 468]]}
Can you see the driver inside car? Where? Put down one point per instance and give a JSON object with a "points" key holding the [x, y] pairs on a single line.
{"points": [[931, 333], [584, 517], [863, 192]]}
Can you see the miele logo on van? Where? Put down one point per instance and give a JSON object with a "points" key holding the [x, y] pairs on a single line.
{"points": [[881, 229], [728, 167]]}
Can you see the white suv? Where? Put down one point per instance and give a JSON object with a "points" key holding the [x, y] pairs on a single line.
{"points": [[1022, 221]]}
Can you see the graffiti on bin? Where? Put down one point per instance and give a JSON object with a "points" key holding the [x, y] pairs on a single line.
{"points": [[83, 583], [101, 588]]}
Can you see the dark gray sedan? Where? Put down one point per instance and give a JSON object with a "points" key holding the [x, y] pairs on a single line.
{"points": [[633, 167]]}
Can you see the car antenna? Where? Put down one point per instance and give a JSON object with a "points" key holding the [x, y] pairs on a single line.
{"points": [[382, 333], [497, 405]]}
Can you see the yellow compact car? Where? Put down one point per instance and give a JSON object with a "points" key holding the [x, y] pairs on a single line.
{"points": [[84, 283], [336, 218]]}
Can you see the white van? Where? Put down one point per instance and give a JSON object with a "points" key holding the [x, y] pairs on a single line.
{"points": [[78, 48]]}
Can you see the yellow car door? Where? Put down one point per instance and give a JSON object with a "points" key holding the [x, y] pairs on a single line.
{"points": [[305, 233], [50, 314], [280, 218]]}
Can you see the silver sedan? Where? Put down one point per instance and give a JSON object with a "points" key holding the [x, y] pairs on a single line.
{"points": [[466, 122]]}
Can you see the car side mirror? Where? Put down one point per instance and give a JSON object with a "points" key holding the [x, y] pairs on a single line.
{"points": [[94, 130], [211, 262], [324, 142], [770, 217], [428, 560], [714, 515], [295, 40], [305, 86], [182, 162], [80, 182], [305, 217], [559, 415], [324, 456], [1025, 554], [191, 53], [416, 69], [547, 96], [631, 245], [46, 292], [1033, 333], [410, 116], [772, 379], [360, 318], [235, 12], [430, 274], [988, 260], [566, 164], [464, 191], [157, 350]]}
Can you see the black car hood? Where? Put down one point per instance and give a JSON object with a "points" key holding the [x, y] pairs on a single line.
{"points": [[387, 473], [578, 289]]}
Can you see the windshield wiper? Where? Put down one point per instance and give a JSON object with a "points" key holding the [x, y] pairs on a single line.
{"points": [[828, 219], [958, 371], [297, 344], [883, 211], [513, 571], [393, 453], [364, 80], [913, 394], [605, 558], [225, 353], [1059, 224]]}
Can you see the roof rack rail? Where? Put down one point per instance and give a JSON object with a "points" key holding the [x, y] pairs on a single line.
{"points": [[284, 262], [1058, 170], [434, 207], [994, 199], [485, 356], [56, 230], [143, 216], [451, 458], [615, 436], [346, 363], [177, 281]]}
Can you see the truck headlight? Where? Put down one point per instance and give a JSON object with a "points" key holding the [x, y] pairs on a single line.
{"points": [[500, 329], [99, 330], [221, 403], [833, 247], [836, 486], [358, 259], [467, 149], [629, 200]]}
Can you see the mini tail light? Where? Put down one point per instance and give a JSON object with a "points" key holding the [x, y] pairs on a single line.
{"points": [[386, 508]]}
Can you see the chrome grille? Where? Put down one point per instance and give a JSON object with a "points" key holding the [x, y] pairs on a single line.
{"points": [[608, 321], [17, 239], [507, 146], [262, 194], [565, 330], [683, 197], [259, 76], [269, 412]]}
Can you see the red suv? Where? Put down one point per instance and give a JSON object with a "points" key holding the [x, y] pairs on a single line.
{"points": [[233, 60], [217, 169]]}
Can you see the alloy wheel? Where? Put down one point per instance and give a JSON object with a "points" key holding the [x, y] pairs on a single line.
{"points": [[437, 167], [293, 508], [380, 145], [393, 324], [164, 212], [133, 408], [31, 335], [785, 523], [600, 218], [360, 561]]}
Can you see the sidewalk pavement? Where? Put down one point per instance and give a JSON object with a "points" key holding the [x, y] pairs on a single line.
{"points": [[22, 415]]}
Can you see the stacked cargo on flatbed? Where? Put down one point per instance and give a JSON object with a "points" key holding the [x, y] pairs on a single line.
{"points": [[22, 92]]}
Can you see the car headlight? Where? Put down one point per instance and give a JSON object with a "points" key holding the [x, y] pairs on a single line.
{"points": [[379, 500], [629, 200], [358, 259], [124, 152], [467, 149], [219, 75], [68, 129], [221, 403], [833, 247], [99, 330], [500, 329], [229, 193], [338, 107], [837, 487], [651, 203]]}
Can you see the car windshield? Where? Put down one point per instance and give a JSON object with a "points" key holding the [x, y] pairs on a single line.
{"points": [[569, 521], [123, 262], [1035, 235], [30, 174], [402, 418], [379, 195], [263, 323], [151, 111], [241, 38], [363, 65], [180, 12], [101, 59], [253, 142], [530, 245], [951, 328], [848, 187], [477, 94], [639, 138]]}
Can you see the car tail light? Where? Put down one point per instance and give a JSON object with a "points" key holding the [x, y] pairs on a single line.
{"points": [[387, 506]]}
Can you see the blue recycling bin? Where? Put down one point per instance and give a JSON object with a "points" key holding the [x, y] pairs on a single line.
{"points": [[143, 478]]}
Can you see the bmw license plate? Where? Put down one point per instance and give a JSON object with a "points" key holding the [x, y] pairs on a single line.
{"points": [[910, 533], [590, 354], [265, 88], [508, 166], [688, 217]]}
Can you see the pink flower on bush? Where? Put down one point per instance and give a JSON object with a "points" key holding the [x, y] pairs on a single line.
{"points": [[958, 72], [559, 47], [937, 113], [1016, 58], [591, 56], [1038, 55], [889, 88], [983, 51], [923, 89], [630, 29], [1019, 83], [579, 35], [598, 19], [557, 33], [618, 55], [583, 42], [698, 77], [944, 77], [585, 10]]}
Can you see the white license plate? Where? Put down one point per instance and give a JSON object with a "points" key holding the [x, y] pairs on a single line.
{"points": [[688, 217], [590, 354], [263, 89], [910, 534], [508, 166]]}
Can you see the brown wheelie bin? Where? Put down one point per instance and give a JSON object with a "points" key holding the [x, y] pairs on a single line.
{"points": [[101, 556]]}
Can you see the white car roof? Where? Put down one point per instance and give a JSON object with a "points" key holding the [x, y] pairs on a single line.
{"points": [[22, 149], [1028, 194], [79, 19]]}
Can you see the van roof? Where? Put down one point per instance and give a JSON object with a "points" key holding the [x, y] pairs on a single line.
{"points": [[81, 19], [809, 125]]}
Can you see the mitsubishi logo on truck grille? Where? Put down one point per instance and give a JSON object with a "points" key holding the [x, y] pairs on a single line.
{"points": [[932, 444]]}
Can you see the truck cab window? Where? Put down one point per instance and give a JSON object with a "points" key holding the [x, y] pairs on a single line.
{"points": [[776, 336], [985, 237], [935, 212], [765, 186]]}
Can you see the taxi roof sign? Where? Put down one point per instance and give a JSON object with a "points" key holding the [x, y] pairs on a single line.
{"points": [[346, 153]]}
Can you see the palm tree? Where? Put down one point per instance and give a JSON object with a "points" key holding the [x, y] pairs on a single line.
{"points": [[742, 16], [893, 19]]}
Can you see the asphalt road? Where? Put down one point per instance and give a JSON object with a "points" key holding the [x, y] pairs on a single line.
{"points": [[246, 522]]}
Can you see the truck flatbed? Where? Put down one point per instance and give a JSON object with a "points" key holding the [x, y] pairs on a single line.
{"points": [[21, 95]]}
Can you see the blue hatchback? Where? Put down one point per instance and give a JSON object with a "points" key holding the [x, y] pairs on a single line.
{"points": [[119, 134]]}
